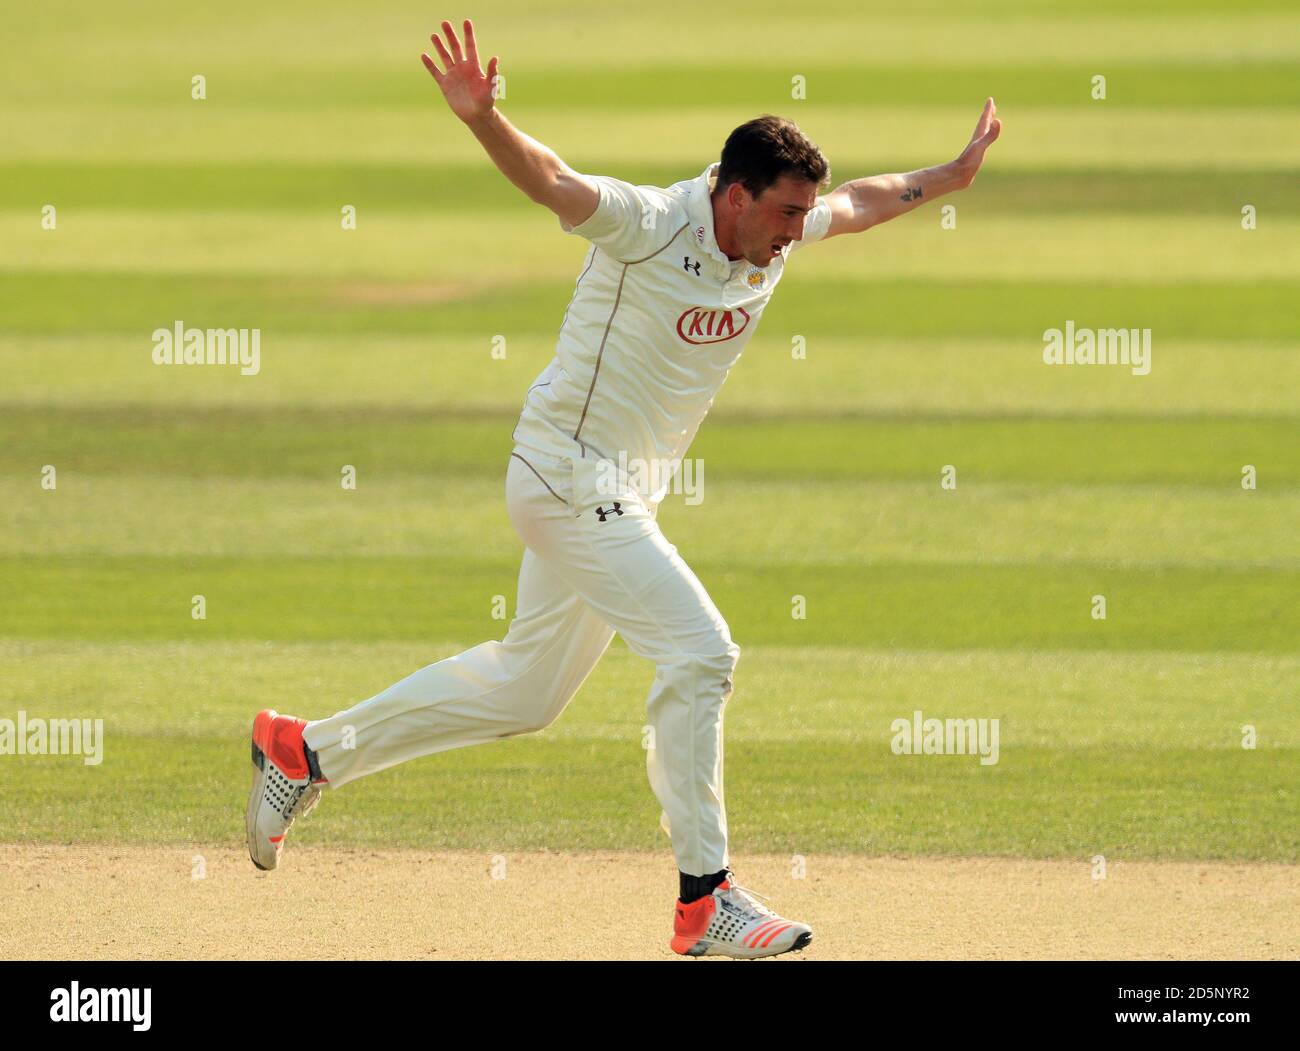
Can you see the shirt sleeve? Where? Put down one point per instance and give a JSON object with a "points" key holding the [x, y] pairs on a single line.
{"points": [[629, 223], [815, 224]]}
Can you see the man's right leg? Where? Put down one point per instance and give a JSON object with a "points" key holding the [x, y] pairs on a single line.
{"points": [[494, 690]]}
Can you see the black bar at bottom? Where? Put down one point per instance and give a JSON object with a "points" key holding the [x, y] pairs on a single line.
{"points": [[788, 999]]}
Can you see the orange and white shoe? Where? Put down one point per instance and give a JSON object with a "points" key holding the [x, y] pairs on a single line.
{"points": [[730, 922], [283, 787]]}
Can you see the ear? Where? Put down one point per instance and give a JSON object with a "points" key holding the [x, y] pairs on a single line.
{"points": [[737, 196]]}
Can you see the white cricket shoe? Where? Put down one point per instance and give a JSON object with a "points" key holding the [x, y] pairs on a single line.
{"points": [[283, 788], [730, 922]]}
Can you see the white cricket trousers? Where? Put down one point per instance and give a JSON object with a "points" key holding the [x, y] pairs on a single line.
{"points": [[595, 562]]}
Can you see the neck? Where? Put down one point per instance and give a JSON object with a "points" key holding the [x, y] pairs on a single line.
{"points": [[724, 232]]}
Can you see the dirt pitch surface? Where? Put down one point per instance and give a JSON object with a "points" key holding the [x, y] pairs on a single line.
{"points": [[131, 902]]}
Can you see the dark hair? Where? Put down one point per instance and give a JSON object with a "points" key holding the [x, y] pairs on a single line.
{"points": [[760, 151]]}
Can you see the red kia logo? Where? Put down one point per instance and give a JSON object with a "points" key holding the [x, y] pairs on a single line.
{"points": [[708, 325]]}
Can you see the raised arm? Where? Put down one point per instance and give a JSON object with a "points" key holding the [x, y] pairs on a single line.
{"points": [[864, 203], [527, 163]]}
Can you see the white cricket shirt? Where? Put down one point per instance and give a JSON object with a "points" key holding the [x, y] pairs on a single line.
{"points": [[659, 315]]}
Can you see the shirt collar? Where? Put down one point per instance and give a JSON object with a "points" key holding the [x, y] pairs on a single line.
{"points": [[699, 209]]}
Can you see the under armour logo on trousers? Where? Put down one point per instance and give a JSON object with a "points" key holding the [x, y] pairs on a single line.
{"points": [[688, 265], [615, 510]]}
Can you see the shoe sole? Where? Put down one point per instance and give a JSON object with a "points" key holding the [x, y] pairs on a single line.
{"points": [[703, 948], [254, 801]]}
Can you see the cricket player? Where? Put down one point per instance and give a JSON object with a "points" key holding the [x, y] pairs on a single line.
{"points": [[673, 285]]}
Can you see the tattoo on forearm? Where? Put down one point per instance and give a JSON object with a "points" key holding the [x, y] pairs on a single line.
{"points": [[913, 193]]}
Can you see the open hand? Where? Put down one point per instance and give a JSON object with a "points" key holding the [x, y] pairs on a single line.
{"points": [[464, 85], [987, 131]]}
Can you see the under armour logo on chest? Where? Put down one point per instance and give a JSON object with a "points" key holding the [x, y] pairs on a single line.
{"points": [[617, 509], [688, 265]]}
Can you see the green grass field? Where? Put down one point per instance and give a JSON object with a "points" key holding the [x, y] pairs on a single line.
{"points": [[1120, 737]]}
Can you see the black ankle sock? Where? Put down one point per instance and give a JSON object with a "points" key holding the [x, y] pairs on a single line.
{"points": [[313, 766], [695, 887]]}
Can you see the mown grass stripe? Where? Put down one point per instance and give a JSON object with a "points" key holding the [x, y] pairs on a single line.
{"points": [[1050, 699], [863, 376], [904, 605], [555, 793], [277, 442], [642, 86], [99, 301], [1139, 527], [1203, 85], [380, 188]]}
